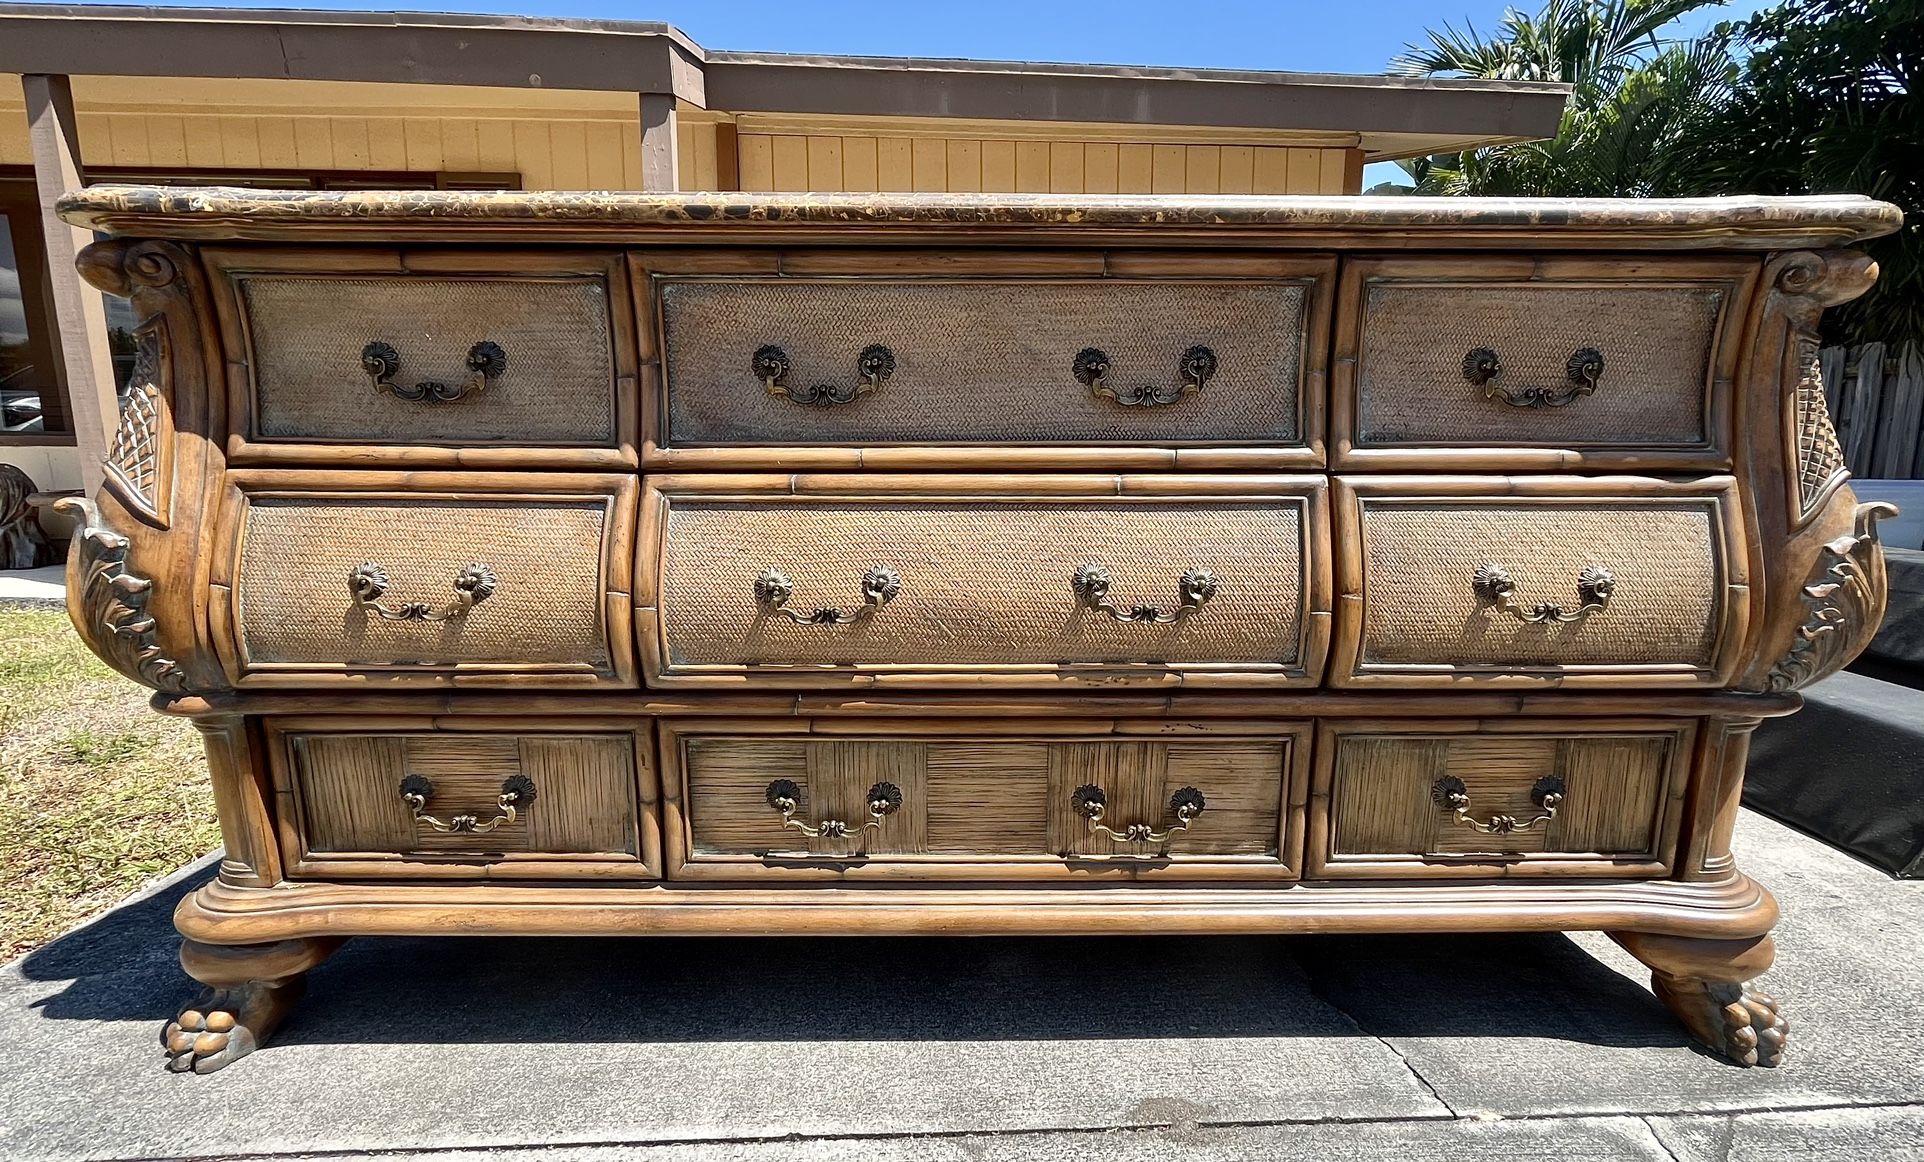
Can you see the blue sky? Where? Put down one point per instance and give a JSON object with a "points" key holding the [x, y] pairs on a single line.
{"points": [[1357, 36]]}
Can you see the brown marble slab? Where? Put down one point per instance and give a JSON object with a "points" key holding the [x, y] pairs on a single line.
{"points": [[1389, 222]]}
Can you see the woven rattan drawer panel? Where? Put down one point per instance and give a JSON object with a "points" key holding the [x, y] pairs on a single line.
{"points": [[1617, 580], [1598, 797], [1484, 362], [365, 578], [983, 580], [992, 361], [573, 793], [561, 323], [987, 801]]}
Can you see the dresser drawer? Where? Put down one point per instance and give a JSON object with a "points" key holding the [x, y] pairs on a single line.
{"points": [[1514, 797], [1029, 358], [390, 798], [427, 579], [532, 354], [983, 800], [1504, 361], [1539, 581], [1044, 580]]}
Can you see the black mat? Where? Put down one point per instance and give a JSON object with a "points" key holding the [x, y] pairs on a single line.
{"points": [[1848, 769]]}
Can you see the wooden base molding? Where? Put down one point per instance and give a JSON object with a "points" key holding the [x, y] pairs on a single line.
{"points": [[1735, 909]]}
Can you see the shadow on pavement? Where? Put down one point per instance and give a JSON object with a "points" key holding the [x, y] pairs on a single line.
{"points": [[476, 990]]}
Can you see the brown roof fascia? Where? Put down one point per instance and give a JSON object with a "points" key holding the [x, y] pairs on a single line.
{"points": [[625, 56], [403, 47]]}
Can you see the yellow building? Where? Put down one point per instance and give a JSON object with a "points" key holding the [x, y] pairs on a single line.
{"points": [[383, 100]]}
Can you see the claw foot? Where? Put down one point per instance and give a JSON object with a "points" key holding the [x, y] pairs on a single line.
{"points": [[1742, 1026], [226, 1024]]}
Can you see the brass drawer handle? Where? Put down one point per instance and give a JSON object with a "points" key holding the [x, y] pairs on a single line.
{"points": [[486, 361], [879, 587], [474, 584], [1092, 802], [1547, 793], [872, 369], [883, 800], [1194, 370], [517, 791], [1091, 585], [1482, 367], [1594, 588]]}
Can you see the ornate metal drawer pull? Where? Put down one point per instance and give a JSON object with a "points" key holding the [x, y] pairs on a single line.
{"points": [[1594, 587], [879, 587], [872, 369], [1547, 793], [883, 799], [1092, 802], [1193, 372], [472, 585], [486, 362], [517, 791], [1091, 586], [1482, 366]]}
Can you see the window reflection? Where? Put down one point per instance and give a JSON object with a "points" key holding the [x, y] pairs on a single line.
{"points": [[22, 381]]}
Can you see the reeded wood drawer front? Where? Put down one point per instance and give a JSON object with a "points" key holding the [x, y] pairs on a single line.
{"points": [[1626, 581], [1466, 798], [1497, 361], [983, 800], [428, 578], [300, 323], [1041, 580], [559, 803], [982, 349]]}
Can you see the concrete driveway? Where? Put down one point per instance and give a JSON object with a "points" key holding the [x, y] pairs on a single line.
{"points": [[1409, 1048]]}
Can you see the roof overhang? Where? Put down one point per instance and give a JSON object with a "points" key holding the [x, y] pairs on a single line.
{"points": [[1391, 116]]}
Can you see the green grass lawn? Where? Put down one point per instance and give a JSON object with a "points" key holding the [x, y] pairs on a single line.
{"points": [[98, 794]]}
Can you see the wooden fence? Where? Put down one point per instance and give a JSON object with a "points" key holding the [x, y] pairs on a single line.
{"points": [[1876, 397]]}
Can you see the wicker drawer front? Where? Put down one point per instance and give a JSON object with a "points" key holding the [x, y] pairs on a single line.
{"points": [[1463, 798], [986, 360], [566, 357], [1551, 363], [1553, 580], [986, 802], [764, 585], [573, 796], [366, 580]]}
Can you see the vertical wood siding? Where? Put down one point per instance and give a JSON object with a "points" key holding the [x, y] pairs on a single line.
{"points": [[812, 162], [603, 152]]}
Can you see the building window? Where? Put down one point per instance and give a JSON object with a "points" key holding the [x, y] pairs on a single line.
{"points": [[31, 407]]}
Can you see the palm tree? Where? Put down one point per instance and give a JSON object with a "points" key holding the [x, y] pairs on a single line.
{"points": [[1634, 96]]}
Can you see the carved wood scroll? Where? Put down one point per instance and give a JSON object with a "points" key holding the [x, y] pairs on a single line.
{"points": [[1844, 601], [108, 601]]}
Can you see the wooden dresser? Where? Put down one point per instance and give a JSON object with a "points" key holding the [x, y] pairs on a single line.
{"points": [[731, 564]]}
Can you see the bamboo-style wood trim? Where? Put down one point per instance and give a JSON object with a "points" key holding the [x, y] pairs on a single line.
{"points": [[616, 558], [228, 266], [290, 809], [1735, 277], [649, 269], [1214, 704], [1323, 862], [1311, 492], [1720, 493], [685, 865]]}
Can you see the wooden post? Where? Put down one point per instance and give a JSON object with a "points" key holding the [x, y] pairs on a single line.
{"points": [[85, 366], [660, 153]]}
